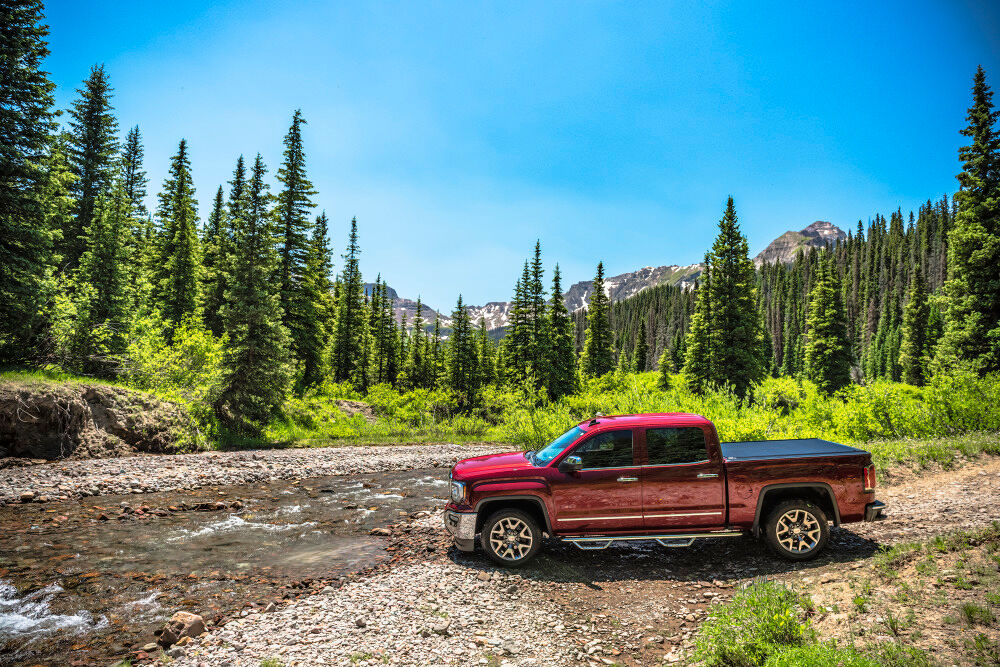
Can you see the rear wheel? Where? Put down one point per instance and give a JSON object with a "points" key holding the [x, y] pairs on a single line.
{"points": [[510, 537], [797, 530]]}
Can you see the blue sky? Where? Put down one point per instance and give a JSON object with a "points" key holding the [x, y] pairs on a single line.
{"points": [[459, 132]]}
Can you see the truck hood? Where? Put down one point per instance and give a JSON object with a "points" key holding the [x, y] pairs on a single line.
{"points": [[490, 464]]}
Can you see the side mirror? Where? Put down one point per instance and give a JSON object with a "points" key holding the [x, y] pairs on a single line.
{"points": [[571, 464]]}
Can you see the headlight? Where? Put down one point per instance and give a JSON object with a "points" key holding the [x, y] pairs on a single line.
{"points": [[457, 491]]}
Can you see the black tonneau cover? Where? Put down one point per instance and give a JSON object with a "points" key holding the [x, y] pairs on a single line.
{"points": [[784, 449]]}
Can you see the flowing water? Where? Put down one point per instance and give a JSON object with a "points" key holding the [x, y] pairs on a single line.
{"points": [[78, 583]]}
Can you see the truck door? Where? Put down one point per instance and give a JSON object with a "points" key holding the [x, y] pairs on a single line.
{"points": [[605, 494], [682, 486]]}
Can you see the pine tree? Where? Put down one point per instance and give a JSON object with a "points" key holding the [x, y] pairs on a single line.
{"points": [[487, 354], [738, 338], [176, 280], [319, 304], [518, 340], [133, 175], [416, 362], [349, 332], [641, 349], [562, 351], [293, 211], [255, 364], [26, 121], [539, 340], [598, 356], [93, 151], [463, 360], [665, 367], [215, 264], [698, 361], [828, 347], [972, 330], [915, 348]]}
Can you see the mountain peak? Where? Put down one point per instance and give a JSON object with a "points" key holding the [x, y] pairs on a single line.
{"points": [[784, 248]]}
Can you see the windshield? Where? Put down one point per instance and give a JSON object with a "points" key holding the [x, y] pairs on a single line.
{"points": [[552, 450]]}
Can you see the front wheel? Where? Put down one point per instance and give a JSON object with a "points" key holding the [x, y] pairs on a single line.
{"points": [[797, 530], [510, 537]]}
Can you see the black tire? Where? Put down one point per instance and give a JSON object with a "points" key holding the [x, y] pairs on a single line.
{"points": [[510, 537], [797, 530]]}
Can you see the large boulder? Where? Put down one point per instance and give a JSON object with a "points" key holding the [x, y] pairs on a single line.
{"points": [[181, 624]]}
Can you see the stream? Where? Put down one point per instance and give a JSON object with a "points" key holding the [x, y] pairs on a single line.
{"points": [[87, 581]]}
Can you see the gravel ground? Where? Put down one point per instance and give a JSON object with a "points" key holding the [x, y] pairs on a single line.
{"points": [[627, 605], [63, 480]]}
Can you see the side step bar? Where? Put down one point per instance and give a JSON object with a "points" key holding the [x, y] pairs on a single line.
{"points": [[668, 540]]}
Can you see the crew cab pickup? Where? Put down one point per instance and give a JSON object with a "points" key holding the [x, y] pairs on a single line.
{"points": [[663, 477]]}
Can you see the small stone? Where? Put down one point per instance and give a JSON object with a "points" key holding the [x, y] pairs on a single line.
{"points": [[270, 607], [483, 576], [152, 646], [360, 622], [27, 496]]}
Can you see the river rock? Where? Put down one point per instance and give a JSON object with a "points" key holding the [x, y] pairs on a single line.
{"points": [[181, 624]]}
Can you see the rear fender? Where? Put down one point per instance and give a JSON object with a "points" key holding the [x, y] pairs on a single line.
{"points": [[820, 489]]}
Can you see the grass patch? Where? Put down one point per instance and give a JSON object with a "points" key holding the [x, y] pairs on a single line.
{"points": [[974, 614]]}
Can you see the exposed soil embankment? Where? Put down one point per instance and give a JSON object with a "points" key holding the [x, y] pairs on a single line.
{"points": [[42, 419]]}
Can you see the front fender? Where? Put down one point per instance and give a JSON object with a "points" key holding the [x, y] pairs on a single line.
{"points": [[536, 491]]}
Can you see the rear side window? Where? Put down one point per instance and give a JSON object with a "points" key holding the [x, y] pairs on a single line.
{"points": [[675, 445], [611, 449]]}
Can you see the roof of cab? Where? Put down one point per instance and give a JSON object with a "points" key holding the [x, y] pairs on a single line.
{"points": [[646, 419]]}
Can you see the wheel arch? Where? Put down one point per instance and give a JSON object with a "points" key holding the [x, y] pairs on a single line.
{"points": [[533, 505], [820, 493]]}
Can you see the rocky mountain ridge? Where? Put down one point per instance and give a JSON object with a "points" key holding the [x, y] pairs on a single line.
{"points": [[624, 285]]}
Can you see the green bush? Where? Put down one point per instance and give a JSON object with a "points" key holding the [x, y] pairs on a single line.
{"points": [[759, 622], [823, 654]]}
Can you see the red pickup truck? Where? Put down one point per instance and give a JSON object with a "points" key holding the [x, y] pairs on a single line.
{"points": [[663, 477]]}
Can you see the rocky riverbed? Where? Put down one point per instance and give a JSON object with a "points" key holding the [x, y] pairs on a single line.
{"points": [[629, 604], [64, 480]]}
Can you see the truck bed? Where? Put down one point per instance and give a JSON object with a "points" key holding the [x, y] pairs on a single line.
{"points": [[785, 449]]}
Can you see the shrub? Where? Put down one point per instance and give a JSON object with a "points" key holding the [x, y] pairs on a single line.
{"points": [[759, 622]]}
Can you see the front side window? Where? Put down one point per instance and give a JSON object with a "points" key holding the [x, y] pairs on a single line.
{"points": [[675, 445], [611, 449], [554, 448]]}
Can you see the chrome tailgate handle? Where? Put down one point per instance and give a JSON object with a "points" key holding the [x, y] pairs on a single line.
{"points": [[628, 479], [707, 475]]}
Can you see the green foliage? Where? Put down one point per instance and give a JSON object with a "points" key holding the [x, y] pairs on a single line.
{"points": [[187, 367], [822, 654], [350, 332], [562, 350], [178, 265], [598, 357], [972, 332], [92, 151], [726, 343], [914, 351], [756, 624], [256, 369], [827, 350], [33, 178], [463, 359]]}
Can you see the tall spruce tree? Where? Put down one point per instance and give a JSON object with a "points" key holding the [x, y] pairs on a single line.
{"points": [[26, 121], [972, 330], [349, 332], [641, 349], [828, 346], [293, 210], [463, 358], [133, 175], [539, 340], [914, 350], [176, 280], [598, 356], [256, 370], [562, 351], [738, 354], [93, 152], [319, 303], [216, 264], [700, 344]]}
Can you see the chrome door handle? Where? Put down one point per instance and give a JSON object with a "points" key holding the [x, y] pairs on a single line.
{"points": [[628, 479], [706, 475]]}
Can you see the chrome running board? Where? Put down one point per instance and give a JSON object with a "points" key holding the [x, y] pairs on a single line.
{"points": [[669, 540]]}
